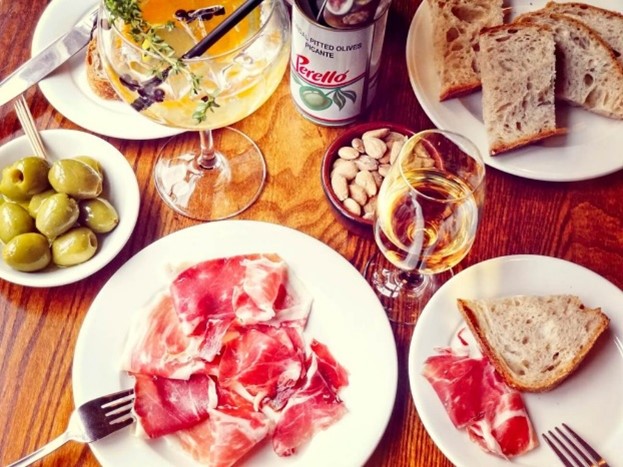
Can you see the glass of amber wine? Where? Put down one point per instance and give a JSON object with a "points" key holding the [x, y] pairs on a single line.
{"points": [[143, 44], [427, 214]]}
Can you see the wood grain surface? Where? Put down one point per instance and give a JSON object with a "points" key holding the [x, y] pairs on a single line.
{"points": [[581, 222]]}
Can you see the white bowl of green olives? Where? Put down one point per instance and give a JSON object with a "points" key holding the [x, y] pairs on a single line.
{"points": [[66, 217]]}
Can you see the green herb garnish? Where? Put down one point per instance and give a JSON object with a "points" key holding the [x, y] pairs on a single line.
{"points": [[146, 35]]}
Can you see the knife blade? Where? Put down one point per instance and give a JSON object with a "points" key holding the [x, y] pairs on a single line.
{"points": [[48, 60]]}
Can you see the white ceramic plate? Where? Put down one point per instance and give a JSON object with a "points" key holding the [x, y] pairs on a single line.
{"points": [[120, 188], [68, 91], [346, 316], [589, 150], [589, 400]]}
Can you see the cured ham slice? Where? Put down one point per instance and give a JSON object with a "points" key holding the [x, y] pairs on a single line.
{"points": [[232, 429], [157, 346], [263, 362], [254, 299], [334, 374], [478, 400], [253, 288], [204, 292], [505, 430], [457, 381], [313, 407], [163, 406], [221, 362]]}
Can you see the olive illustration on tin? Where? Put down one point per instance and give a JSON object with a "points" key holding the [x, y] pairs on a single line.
{"points": [[314, 98]]}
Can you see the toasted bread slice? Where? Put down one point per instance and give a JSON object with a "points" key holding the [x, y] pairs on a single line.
{"points": [[608, 24], [456, 25], [588, 72], [517, 69], [96, 76], [534, 342]]}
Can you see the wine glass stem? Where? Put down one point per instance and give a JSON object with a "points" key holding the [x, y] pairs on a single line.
{"points": [[207, 156], [411, 279]]}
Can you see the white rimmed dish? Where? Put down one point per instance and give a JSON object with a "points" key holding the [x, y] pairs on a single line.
{"points": [[120, 188], [589, 400], [348, 318], [68, 91], [588, 150]]}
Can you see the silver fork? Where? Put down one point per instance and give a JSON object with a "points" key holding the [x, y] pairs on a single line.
{"points": [[28, 125], [575, 450], [91, 421]]}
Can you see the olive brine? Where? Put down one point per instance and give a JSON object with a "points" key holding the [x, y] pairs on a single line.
{"points": [[52, 213]]}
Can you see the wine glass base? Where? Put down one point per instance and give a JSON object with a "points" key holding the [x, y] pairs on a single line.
{"points": [[226, 188], [403, 294]]}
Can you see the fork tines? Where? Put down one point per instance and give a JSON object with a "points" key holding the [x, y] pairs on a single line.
{"points": [[577, 450], [120, 405]]}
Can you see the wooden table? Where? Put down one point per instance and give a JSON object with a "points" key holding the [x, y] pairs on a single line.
{"points": [[581, 222]]}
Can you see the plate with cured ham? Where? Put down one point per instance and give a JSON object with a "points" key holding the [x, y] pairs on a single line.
{"points": [[478, 419], [246, 343]]}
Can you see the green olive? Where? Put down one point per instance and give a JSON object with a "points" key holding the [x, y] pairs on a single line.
{"points": [[56, 215], [98, 215], [24, 178], [75, 178], [94, 164], [74, 247], [27, 252], [14, 220], [35, 202]]}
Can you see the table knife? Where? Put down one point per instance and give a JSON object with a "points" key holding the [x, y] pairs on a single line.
{"points": [[49, 59]]}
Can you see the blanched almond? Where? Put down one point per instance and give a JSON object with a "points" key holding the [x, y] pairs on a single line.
{"points": [[384, 169], [365, 162], [357, 143], [395, 150], [352, 206], [339, 186], [358, 193], [375, 147], [348, 153], [378, 133], [348, 169], [366, 180]]}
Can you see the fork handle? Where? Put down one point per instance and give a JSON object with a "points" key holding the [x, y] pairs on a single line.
{"points": [[42, 451]]}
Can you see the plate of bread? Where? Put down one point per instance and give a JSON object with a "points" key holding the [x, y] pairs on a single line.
{"points": [[551, 333], [79, 89], [538, 86]]}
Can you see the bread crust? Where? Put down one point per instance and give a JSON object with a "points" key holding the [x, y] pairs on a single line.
{"points": [[609, 82], [456, 24], [96, 77], [471, 316], [596, 18], [501, 148], [517, 88]]}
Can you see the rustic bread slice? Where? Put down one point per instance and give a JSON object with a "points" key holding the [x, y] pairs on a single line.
{"points": [[96, 76], [534, 342], [517, 70], [588, 72], [608, 24], [456, 24]]}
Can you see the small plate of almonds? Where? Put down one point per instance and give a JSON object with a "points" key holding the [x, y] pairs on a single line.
{"points": [[354, 166]]}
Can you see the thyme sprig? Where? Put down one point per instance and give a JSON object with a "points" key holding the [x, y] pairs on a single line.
{"points": [[146, 35]]}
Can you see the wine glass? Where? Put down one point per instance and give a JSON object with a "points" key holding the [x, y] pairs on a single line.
{"points": [[427, 214], [142, 46]]}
